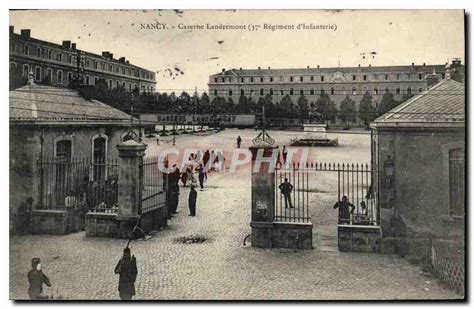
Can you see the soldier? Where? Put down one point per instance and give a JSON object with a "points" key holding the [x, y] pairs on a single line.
{"points": [[285, 189], [239, 141], [344, 213], [192, 201], [127, 269], [36, 278]]}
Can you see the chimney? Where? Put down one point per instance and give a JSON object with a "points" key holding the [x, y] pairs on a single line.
{"points": [[122, 59], [105, 54], [223, 70], [240, 69], [25, 33], [307, 67], [424, 64], [259, 68], [111, 56], [12, 29], [269, 68], [318, 66], [73, 46], [67, 44], [370, 65], [127, 62]]}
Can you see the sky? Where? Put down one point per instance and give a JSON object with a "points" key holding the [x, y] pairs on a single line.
{"points": [[398, 37]]}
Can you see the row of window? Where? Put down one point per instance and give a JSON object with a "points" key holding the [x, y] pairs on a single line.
{"points": [[62, 79], [332, 91], [321, 78], [72, 58]]}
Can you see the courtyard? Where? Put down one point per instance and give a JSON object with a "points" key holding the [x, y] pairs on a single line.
{"points": [[221, 267]]}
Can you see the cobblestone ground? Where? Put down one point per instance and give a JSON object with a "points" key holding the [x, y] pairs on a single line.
{"points": [[221, 267]]}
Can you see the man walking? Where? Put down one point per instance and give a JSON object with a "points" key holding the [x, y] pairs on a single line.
{"points": [[127, 269], [344, 212], [202, 176], [285, 189], [239, 141], [36, 278], [192, 201]]}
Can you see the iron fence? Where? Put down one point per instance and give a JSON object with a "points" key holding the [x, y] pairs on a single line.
{"points": [[154, 184], [356, 199], [78, 183]]}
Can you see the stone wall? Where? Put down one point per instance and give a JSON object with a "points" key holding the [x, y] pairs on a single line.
{"points": [[359, 238], [49, 222]]}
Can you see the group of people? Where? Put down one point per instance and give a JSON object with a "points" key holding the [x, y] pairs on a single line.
{"points": [[346, 210]]}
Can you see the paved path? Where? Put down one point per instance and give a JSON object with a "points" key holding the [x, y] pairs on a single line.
{"points": [[222, 268]]}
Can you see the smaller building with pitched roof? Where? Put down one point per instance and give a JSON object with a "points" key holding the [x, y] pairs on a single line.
{"points": [[419, 153]]}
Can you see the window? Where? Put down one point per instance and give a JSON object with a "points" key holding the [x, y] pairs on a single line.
{"points": [[13, 47], [291, 91], [398, 76], [69, 60], [251, 79], [354, 91], [38, 52], [456, 182], [376, 91], [99, 153], [312, 78], [420, 90], [301, 92], [26, 70], [38, 74], [282, 92], [230, 92], [420, 76], [386, 76], [261, 91], [69, 77], [26, 49], [50, 54], [241, 79], [271, 91], [365, 77], [96, 65], [64, 150], [301, 78], [215, 79], [353, 77], [49, 73], [215, 92], [87, 79], [387, 90], [251, 92], [271, 79], [261, 79], [291, 78], [60, 57], [242, 92], [322, 78], [397, 91], [322, 91], [409, 90], [333, 91], [60, 77], [311, 92], [110, 84]]}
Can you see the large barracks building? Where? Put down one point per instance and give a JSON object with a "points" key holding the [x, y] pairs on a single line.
{"points": [[336, 82], [58, 64]]}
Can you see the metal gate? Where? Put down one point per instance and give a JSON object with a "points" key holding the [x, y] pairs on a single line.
{"points": [[294, 183], [153, 184]]}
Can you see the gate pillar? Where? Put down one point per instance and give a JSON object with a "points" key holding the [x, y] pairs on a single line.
{"points": [[263, 194], [129, 188]]}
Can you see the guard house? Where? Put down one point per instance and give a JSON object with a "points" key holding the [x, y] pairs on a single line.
{"points": [[419, 151], [62, 146]]}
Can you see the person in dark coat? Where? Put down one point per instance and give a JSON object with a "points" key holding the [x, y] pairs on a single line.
{"points": [[127, 269], [285, 189], [184, 178], [36, 279], [202, 176], [239, 141], [344, 212], [192, 201], [206, 157]]}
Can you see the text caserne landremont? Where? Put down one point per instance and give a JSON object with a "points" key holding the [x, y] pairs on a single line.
{"points": [[240, 27]]}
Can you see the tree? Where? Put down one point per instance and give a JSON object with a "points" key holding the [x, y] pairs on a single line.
{"points": [[303, 107], [242, 106], [287, 106], [388, 102], [366, 108], [347, 110], [205, 103], [326, 107], [17, 79]]}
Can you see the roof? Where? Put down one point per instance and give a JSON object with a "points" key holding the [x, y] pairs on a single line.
{"points": [[443, 105], [48, 104], [315, 71]]}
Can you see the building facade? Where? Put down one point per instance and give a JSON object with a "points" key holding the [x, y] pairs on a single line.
{"points": [[60, 142], [419, 153], [59, 64], [336, 82]]}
